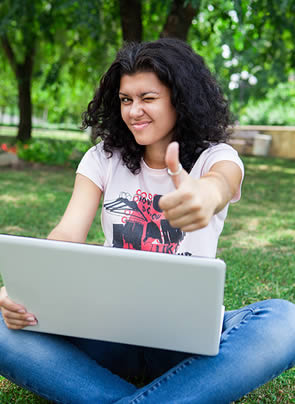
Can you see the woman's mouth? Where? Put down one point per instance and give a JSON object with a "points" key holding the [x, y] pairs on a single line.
{"points": [[140, 125]]}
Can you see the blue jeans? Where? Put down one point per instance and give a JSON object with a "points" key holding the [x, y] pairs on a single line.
{"points": [[257, 344]]}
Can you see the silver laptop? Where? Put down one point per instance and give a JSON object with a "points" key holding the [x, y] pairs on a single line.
{"points": [[135, 297]]}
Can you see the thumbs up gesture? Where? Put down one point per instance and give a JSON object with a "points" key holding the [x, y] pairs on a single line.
{"points": [[194, 201]]}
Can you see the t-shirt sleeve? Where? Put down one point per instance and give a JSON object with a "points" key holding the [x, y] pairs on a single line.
{"points": [[222, 152], [94, 165]]}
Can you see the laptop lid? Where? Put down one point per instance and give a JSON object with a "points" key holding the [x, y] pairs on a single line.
{"points": [[135, 297]]}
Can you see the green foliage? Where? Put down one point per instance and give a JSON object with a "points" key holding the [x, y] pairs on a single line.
{"points": [[277, 109], [76, 41], [53, 151], [70, 72], [154, 14], [258, 35], [8, 93]]}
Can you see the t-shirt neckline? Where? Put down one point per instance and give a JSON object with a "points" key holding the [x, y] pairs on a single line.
{"points": [[153, 171]]}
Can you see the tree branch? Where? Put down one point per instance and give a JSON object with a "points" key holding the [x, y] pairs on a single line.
{"points": [[179, 20], [28, 63], [9, 53], [131, 21]]}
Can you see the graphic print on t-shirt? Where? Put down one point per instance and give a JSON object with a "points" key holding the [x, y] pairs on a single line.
{"points": [[143, 225]]}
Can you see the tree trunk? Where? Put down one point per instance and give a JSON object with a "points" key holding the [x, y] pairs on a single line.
{"points": [[179, 20], [131, 22], [23, 72], [25, 107]]}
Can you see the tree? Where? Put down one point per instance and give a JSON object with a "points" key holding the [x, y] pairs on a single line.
{"points": [[21, 60], [177, 24], [24, 27], [180, 19], [62, 31], [131, 21], [8, 93]]}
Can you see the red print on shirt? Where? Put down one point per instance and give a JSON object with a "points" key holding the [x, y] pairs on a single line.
{"points": [[143, 225]]}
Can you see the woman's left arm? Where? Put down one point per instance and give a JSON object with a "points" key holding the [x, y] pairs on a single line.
{"points": [[227, 176], [191, 206]]}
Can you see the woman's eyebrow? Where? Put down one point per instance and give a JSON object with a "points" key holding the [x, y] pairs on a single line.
{"points": [[142, 94], [149, 92]]}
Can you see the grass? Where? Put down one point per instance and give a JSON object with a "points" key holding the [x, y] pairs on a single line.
{"points": [[32, 201], [7, 133], [258, 242]]}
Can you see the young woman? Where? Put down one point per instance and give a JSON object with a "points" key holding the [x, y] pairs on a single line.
{"points": [[167, 177]]}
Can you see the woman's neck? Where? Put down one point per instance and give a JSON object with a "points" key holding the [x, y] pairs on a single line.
{"points": [[155, 158]]}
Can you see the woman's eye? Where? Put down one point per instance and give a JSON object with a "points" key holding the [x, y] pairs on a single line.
{"points": [[148, 99], [125, 100]]}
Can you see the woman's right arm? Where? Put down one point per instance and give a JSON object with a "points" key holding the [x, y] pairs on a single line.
{"points": [[74, 226], [79, 215]]}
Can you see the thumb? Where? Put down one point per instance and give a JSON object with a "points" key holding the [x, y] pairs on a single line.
{"points": [[172, 161]]}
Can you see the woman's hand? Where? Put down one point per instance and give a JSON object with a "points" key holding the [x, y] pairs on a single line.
{"points": [[191, 206], [15, 315]]}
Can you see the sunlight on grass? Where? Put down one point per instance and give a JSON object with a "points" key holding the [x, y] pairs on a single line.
{"points": [[12, 230], [11, 131], [8, 199]]}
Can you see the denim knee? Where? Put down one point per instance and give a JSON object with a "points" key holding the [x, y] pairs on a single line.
{"points": [[19, 346], [281, 327], [272, 329], [283, 310], [10, 343], [4, 333]]}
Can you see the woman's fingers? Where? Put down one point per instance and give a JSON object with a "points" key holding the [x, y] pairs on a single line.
{"points": [[192, 205], [15, 315], [18, 324], [182, 208], [17, 320], [9, 305], [187, 214], [13, 310], [177, 173], [11, 315], [170, 201], [189, 222], [186, 210]]}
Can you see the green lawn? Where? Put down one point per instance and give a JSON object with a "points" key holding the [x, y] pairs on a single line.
{"points": [[7, 133], [258, 242]]}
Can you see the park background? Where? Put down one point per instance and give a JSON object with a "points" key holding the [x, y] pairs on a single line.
{"points": [[53, 53], [52, 56]]}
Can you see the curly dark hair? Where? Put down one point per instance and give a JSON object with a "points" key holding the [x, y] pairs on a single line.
{"points": [[202, 111]]}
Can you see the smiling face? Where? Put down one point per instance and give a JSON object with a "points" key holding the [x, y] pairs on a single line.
{"points": [[147, 111]]}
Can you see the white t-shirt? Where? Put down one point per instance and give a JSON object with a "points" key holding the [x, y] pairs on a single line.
{"points": [[131, 217]]}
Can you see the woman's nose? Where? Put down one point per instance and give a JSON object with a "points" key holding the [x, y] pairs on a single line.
{"points": [[136, 109]]}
